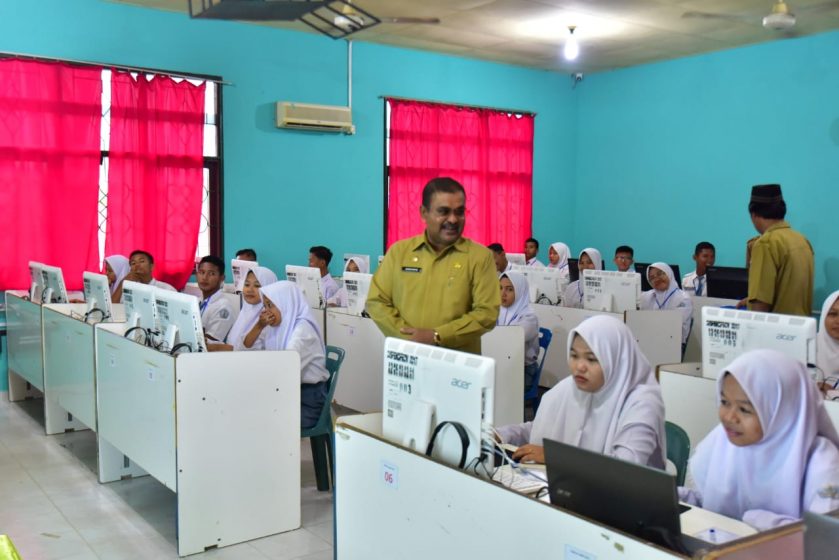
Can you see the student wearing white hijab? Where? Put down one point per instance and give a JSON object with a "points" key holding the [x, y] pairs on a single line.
{"points": [[244, 334], [291, 326], [774, 454], [610, 404], [827, 341], [516, 311], [354, 264], [590, 259], [558, 254], [666, 294], [116, 269]]}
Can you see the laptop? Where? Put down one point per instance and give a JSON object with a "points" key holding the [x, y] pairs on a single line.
{"points": [[821, 536], [635, 499]]}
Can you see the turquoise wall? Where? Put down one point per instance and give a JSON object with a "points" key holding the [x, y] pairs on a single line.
{"points": [[667, 153]]}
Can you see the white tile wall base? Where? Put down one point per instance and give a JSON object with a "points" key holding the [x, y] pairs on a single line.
{"points": [[53, 508]]}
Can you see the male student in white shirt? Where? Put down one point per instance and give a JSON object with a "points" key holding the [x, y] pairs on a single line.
{"points": [[216, 310], [319, 257], [501, 262], [246, 255], [141, 265], [694, 283], [531, 249]]}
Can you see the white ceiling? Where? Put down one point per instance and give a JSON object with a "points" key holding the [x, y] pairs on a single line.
{"points": [[612, 33]]}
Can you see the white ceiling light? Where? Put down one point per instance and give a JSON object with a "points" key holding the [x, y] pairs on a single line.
{"points": [[572, 49], [588, 27]]}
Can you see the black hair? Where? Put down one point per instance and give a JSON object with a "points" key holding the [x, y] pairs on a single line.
{"points": [[702, 245], [531, 240], [215, 261], [625, 249], [496, 248], [246, 253], [322, 253], [769, 210], [440, 184], [141, 252]]}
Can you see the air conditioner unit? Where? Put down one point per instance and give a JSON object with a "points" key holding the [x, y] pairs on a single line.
{"points": [[324, 118]]}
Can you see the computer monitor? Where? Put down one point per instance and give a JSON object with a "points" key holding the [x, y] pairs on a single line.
{"points": [[546, 284], [573, 270], [179, 318], [97, 296], [140, 312], [629, 497], [516, 258], [821, 535], [240, 270], [425, 386], [357, 257], [36, 285], [308, 280], [357, 285], [54, 290], [611, 290], [728, 333], [727, 282], [641, 268]]}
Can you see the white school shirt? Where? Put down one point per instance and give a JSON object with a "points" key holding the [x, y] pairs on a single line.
{"points": [[535, 262], [573, 296], [671, 298], [689, 281], [328, 287], [307, 343], [217, 316]]}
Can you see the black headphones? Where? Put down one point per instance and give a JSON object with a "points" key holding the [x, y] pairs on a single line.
{"points": [[464, 440]]}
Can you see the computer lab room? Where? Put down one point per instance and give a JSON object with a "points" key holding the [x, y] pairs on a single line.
{"points": [[411, 279]]}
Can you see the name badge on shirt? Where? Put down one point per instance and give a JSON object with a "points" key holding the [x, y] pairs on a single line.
{"points": [[411, 269]]}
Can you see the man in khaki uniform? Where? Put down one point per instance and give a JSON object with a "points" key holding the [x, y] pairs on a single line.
{"points": [[438, 287], [781, 269]]}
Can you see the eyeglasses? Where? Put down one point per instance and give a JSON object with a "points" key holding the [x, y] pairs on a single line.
{"points": [[656, 275], [623, 258]]}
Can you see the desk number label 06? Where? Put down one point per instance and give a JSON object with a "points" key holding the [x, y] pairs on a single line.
{"points": [[390, 475]]}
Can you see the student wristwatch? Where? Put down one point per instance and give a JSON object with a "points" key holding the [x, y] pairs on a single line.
{"points": [[437, 341]]}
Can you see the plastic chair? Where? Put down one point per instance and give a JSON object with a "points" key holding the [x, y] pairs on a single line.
{"points": [[531, 394], [321, 434], [678, 450]]}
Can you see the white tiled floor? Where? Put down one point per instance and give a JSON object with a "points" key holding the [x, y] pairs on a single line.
{"points": [[53, 508]]}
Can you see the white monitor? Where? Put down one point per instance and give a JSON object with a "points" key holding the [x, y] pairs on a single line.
{"points": [[611, 290], [516, 258], [356, 256], [427, 385], [240, 271], [357, 285], [179, 318], [54, 290], [546, 284], [36, 285], [140, 312], [308, 280], [97, 296], [728, 333]]}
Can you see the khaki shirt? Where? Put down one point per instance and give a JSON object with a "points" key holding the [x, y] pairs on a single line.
{"points": [[455, 293], [781, 271]]}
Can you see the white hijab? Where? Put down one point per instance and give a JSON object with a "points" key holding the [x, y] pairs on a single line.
{"points": [[630, 395], [564, 252], [595, 257], [249, 314], [294, 309], [827, 347], [521, 306], [119, 264], [768, 475], [667, 298], [360, 263]]}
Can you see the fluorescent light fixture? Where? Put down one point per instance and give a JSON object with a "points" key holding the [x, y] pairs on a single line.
{"points": [[572, 49]]}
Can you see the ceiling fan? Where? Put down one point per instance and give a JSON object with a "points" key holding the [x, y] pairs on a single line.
{"points": [[780, 17], [340, 18]]}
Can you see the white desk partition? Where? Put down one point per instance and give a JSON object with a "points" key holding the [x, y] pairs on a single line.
{"points": [[506, 346], [70, 367], [560, 320], [24, 343], [690, 400], [416, 508], [360, 381], [220, 429], [693, 352], [659, 334]]}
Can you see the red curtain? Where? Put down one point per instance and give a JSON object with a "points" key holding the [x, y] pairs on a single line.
{"points": [[155, 172], [50, 118], [489, 152]]}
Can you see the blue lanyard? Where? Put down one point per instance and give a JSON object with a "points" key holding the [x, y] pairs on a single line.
{"points": [[660, 305], [203, 304], [580, 290]]}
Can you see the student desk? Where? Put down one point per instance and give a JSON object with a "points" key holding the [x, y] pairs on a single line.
{"points": [[24, 342], [360, 383], [693, 352], [417, 508], [658, 334], [221, 430], [690, 400]]}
